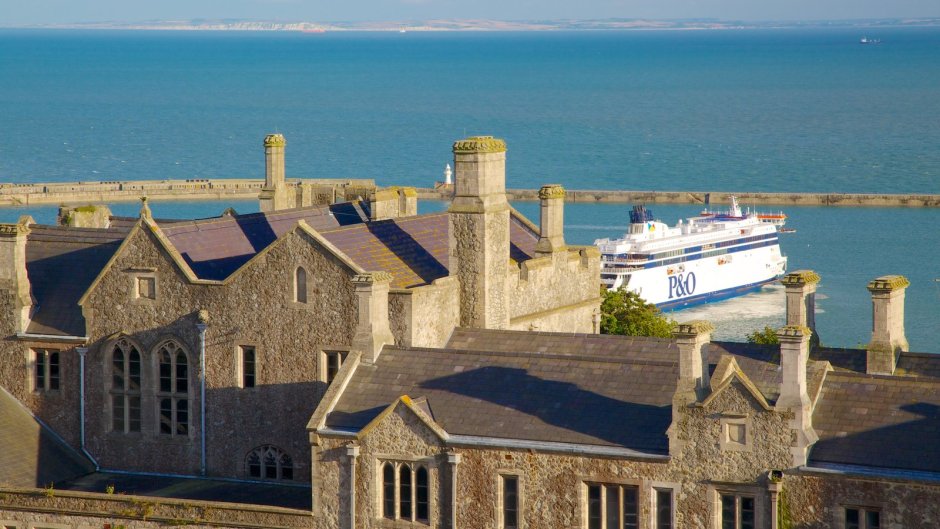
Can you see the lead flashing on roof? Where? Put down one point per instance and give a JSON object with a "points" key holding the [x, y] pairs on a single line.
{"points": [[471, 441], [51, 338]]}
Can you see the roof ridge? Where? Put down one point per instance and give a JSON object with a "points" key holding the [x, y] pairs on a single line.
{"points": [[611, 337], [897, 378], [534, 354]]}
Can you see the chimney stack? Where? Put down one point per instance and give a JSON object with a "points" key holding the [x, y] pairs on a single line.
{"points": [[801, 301], [13, 276], [274, 194], [794, 356], [887, 326], [479, 232], [691, 338], [372, 328], [552, 222], [91, 216]]}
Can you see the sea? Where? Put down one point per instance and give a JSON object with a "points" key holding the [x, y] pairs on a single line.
{"points": [[786, 110]]}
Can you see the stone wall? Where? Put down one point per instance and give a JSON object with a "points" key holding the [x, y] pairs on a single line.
{"points": [[818, 500], [255, 308], [433, 313], [553, 488], [55, 509], [558, 292]]}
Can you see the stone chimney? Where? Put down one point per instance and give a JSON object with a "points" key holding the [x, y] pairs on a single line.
{"points": [[887, 325], [13, 278], [274, 195], [691, 338], [372, 328], [393, 202], [85, 216], [801, 300], [552, 222], [479, 232], [794, 356]]}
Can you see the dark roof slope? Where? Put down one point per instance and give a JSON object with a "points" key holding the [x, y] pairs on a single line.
{"points": [[594, 345], [61, 264], [532, 396], [415, 249], [32, 456], [214, 248], [882, 421]]}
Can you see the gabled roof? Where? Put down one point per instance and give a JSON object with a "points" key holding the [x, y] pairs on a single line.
{"points": [[215, 248], [415, 249], [61, 264], [583, 399]]}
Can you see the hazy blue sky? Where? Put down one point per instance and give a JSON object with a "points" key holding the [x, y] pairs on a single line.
{"points": [[20, 12]]}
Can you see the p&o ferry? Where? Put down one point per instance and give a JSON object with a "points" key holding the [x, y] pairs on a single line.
{"points": [[711, 257]]}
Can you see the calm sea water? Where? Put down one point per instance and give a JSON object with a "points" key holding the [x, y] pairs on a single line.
{"points": [[772, 110]]}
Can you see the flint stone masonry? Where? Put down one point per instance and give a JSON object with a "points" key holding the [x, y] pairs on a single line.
{"points": [[254, 307]]}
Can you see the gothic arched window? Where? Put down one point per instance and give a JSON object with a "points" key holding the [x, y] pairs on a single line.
{"points": [[125, 388], [300, 285], [269, 463], [173, 389]]}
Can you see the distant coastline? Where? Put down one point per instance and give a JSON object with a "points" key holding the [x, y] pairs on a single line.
{"points": [[484, 25]]}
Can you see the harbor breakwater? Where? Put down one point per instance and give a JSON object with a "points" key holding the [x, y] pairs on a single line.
{"points": [[72, 193]]}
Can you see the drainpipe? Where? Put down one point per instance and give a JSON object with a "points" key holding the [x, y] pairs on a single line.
{"points": [[352, 452], [453, 459], [81, 404], [201, 327]]}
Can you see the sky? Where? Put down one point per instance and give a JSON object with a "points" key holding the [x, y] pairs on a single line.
{"points": [[20, 12]]}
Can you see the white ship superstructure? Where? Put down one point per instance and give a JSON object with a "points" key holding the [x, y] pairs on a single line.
{"points": [[706, 258]]}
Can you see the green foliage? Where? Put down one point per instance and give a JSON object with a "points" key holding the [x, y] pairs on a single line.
{"points": [[784, 518], [625, 312], [768, 336]]}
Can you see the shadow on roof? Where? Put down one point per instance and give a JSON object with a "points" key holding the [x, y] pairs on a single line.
{"points": [[562, 405]]}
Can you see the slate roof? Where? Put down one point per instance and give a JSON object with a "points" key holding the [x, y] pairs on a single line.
{"points": [[199, 489], [882, 421], [533, 396], [415, 249], [216, 247], [61, 264], [32, 456]]}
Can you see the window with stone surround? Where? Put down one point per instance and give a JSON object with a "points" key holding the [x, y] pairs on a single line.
{"points": [[663, 508], [332, 361], [737, 511], [246, 366], [270, 463], [300, 285], [405, 492], [125, 387], [509, 496], [45, 370], [613, 506], [862, 518], [173, 389]]}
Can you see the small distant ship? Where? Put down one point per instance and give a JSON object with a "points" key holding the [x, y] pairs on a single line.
{"points": [[707, 258], [866, 40]]}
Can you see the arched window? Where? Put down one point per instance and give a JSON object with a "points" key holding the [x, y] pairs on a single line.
{"points": [[300, 285], [421, 494], [269, 463], [404, 492], [125, 388], [388, 490], [173, 391]]}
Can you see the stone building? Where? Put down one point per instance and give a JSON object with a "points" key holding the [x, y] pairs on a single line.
{"points": [[507, 429], [202, 347]]}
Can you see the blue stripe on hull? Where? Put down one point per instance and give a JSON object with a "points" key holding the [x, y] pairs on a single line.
{"points": [[718, 295]]}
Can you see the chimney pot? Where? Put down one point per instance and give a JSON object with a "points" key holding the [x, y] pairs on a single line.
{"points": [[552, 222], [801, 300]]}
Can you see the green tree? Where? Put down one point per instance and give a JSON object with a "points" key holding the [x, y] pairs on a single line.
{"points": [[766, 337], [625, 312]]}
